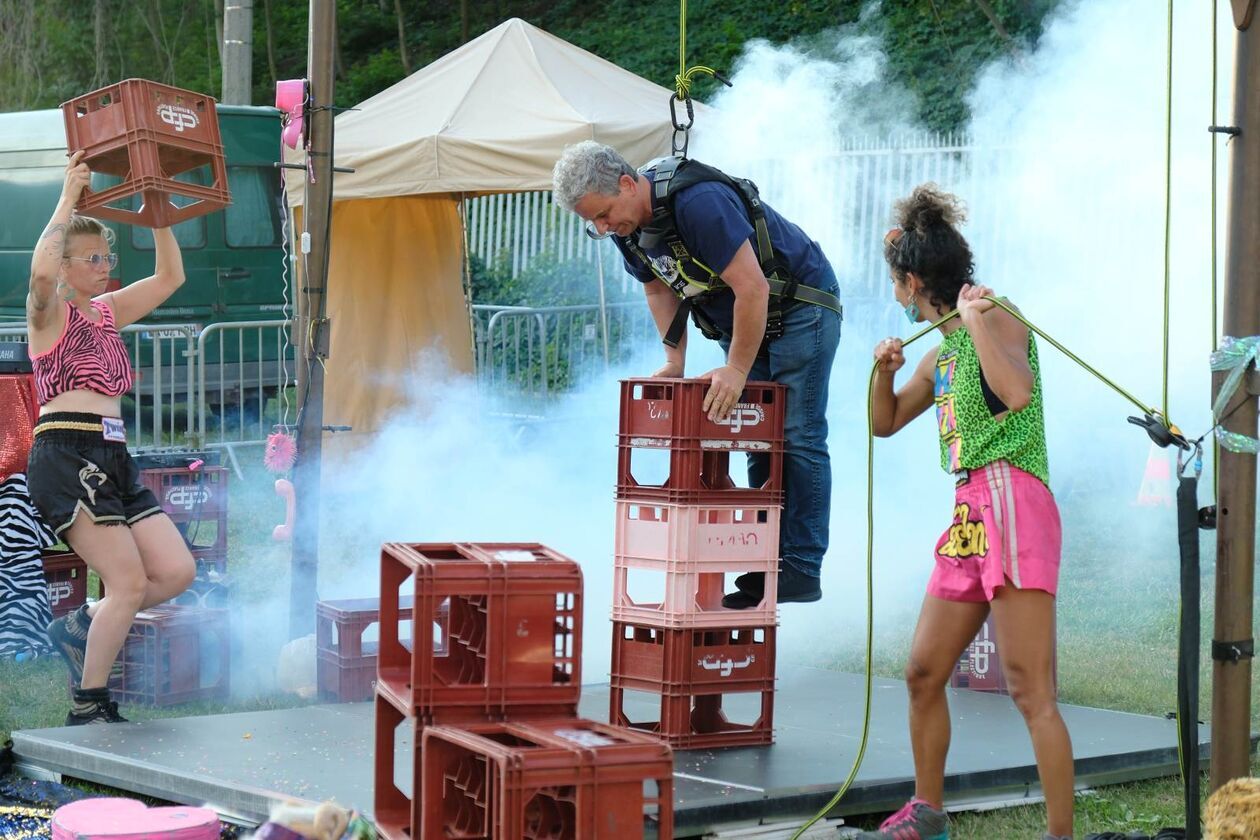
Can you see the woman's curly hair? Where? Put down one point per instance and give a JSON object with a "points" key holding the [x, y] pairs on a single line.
{"points": [[930, 245]]}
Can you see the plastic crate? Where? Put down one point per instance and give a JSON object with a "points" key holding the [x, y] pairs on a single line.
{"points": [[66, 576], [708, 535], [696, 476], [669, 410], [147, 133], [691, 594], [676, 661], [394, 811], [559, 780], [980, 666], [340, 625], [174, 654], [694, 719], [506, 632]]}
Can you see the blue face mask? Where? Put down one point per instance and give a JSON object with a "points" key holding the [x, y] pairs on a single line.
{"points": [[912, 311]]}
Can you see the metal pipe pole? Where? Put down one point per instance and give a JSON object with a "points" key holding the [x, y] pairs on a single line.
{"points": [[312, 326], [1236, 500]]}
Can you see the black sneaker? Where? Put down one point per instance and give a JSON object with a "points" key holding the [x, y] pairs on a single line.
{"points": [[797, 587], [103, 711], [794, 588], [753, 583], [71, 647]]}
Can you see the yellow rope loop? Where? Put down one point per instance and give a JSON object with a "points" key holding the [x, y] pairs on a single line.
{"points": [[684, 80]]}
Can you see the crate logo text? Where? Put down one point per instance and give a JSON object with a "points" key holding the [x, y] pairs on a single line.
{"points": [[743, 414], [177, 116], [187, 496]]}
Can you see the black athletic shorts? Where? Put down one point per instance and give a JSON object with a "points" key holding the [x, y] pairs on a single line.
{"points": [[80, 462]]}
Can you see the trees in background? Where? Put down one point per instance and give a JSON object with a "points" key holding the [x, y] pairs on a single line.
{"points": [[51, 52]]}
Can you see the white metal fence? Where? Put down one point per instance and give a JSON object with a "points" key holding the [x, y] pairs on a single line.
{"points": [[844, 200]]}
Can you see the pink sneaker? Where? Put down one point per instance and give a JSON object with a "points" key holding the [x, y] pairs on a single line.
{"points": [[916, 820]]}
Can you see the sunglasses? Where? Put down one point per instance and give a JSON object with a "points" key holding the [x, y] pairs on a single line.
{"points": [[892, 237], [110, 260]]}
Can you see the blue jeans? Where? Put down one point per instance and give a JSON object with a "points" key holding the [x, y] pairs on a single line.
{"points": [[801, 360]]}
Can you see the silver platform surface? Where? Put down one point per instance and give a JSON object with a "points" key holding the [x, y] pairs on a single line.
{"points": [[241, 763]]}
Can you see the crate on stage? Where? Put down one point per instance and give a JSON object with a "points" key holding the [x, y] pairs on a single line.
{"points": [[161, 141], [695, 717], [685, 553], [500, 630], [557, 779], [196, 500]]}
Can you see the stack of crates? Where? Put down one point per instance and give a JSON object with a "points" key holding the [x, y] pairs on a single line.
{"points": [[684, 652], [196, 500], [492, 672], [66, 576], [174, 654]]}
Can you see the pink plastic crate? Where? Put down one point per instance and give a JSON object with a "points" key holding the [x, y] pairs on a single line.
{"points": [[709, 536], [692, 593]]}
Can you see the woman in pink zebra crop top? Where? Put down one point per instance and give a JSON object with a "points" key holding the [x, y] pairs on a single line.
{"points": [[81, 476]]}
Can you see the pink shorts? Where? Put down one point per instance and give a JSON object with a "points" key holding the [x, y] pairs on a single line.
{"points": [[1006, 528]]}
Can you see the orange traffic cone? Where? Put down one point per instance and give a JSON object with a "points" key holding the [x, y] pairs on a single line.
{"points": [[1157, 486]]}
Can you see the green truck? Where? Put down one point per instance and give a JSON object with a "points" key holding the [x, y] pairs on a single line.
{"points": [[233, 259]]}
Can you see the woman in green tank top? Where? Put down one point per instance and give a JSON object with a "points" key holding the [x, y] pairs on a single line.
{"points": [[1000, 553]]}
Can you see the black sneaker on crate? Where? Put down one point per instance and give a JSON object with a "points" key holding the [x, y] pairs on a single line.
{"points": [[794, 588]]}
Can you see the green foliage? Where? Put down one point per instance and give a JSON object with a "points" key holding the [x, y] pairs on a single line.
{"points": [[934, 47]]}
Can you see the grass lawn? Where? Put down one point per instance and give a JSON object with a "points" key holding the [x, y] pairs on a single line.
{"points": [[1117, 644]]}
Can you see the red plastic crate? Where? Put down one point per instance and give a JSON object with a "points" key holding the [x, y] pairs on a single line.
{"points": [[174, 654], [341, 680], [394, 811], [147, 133], [695, 476], [980, 666], [340, 625], [506, 632], [558, 780], [669, 410], [694, 719], [677, 661], [66, 576], [189, 495]]}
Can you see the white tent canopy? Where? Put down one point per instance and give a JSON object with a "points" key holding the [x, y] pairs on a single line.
{"points": [[493, 116]]}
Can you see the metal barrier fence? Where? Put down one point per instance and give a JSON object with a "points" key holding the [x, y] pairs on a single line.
{"points": [[245, 370], [164, 362], [217, 386], [536, 353]]}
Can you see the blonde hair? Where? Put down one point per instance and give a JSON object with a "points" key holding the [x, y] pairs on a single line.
{"points": [[86, 226]]}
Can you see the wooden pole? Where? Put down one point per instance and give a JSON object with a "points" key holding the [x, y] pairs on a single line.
{"points": [[1236, 496], [312, 325]]}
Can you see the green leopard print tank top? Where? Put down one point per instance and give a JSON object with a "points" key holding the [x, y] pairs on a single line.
{"points": [[970, 436]]}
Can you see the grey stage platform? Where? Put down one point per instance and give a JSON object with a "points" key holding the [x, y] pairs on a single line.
{"points": [[242, 762]]}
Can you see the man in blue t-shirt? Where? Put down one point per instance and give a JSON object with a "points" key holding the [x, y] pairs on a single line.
{"points": [[708, 263]]}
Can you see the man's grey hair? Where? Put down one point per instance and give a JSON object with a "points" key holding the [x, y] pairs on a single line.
{"points": [[587, 167]]}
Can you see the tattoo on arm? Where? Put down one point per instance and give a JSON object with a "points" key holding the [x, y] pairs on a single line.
{"points": [[65, 291], [55, 235]]}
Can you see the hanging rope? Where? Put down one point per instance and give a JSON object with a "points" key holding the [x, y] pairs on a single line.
{"points": [[1168, 201], [1216, 449], [682, 87]]}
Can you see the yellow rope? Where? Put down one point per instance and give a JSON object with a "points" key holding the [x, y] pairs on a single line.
{"points": [[682, 82], [1168, 203]]}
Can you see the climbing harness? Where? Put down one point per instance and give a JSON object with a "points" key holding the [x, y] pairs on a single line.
{"points": [[692, 280]]}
